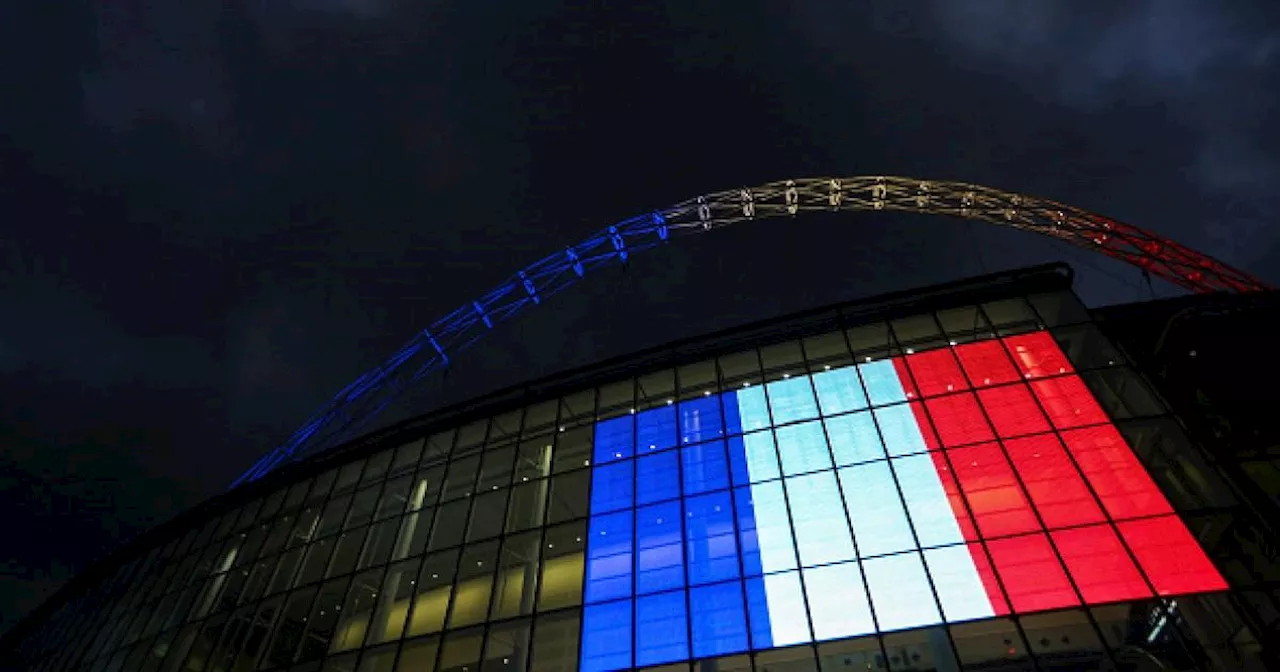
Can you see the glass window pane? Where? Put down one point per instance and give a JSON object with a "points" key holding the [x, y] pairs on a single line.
{"points": [[710, 540], [1086, 347], [1031, 573], [449, 524], [739, 365], [1013, 411], [612, 487], [1099, 564], [573, 449], [958, 419], [1008, 311], [316, 561], [488, 512], [331, 519], [719, 619], [562, 566], [696, 377], [927, 487], [882, 382], [461, 478], [346, 553], [382, 659], [1058, 491], [533, 459], [614, 439], [569, 496], [995, 498], [791, 400], [577, 405], [781, 355], [461, 649], [964, 582], [854, 438], [839, 390], [348, 477], [825, 346], [1057, 308], [655, 429], [764, 529], [874, 506], [900, 427], [705, 467], [354, 623], [517, 578], [323, 619], [418, 655], [936, 372], [471, 436], [433, 590], [987, 363], [1170, 557], [617, 395], [475, 584], [377, 467], [662, 628], [496, 468], [803, 448], [746, 410], [923, 649], [657, 477], [606, 636], [393, 602], [900, 592], [660, 553], [394, 498], [609, 557], [837, 601], [507, 647], [527, 505], [288, 632], [822, 532], [778, 613], [555, 642], [1120, 481], [504, 428], [413, 533], [406, 458], [700, 419]]}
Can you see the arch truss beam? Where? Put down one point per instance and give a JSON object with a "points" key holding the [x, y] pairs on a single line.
{"points": [[351, 409]]}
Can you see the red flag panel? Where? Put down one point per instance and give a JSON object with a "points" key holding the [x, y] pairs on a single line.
{"points": [[1099, 564], [1170, 556], [959, 419], [1057, 490], [1013, 410], [998, 505], [1038, 355], [1031, 573]]}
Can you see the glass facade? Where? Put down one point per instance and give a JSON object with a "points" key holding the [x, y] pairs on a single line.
{"points": [[985, 486]]}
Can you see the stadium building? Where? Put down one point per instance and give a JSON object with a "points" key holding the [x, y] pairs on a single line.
{"points": [[985, 475]]}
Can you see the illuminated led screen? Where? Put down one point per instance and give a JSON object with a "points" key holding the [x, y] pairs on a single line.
{"points": [[953, 484]]}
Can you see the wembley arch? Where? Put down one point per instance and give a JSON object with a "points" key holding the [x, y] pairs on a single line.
{"points": [[431, 349]]}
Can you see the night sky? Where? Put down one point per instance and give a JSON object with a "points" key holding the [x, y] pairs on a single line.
{"points": [[215, 213]]}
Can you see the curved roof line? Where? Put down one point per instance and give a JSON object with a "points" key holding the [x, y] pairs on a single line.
{"points": [[356, 405]]}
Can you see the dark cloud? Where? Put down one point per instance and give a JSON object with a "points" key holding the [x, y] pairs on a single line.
{"points": [[227, 210]]}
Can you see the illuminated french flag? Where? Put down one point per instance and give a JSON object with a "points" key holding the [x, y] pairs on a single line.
{"points": [[954, 484]]}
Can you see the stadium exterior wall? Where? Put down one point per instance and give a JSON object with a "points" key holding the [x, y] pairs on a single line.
{"points": [[970, 476]]}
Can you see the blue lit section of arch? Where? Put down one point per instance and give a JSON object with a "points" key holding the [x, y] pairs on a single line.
{"points": [[352, 409]]}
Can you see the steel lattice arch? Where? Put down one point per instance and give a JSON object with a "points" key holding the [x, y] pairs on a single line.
{"points": [[430, 350]]}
